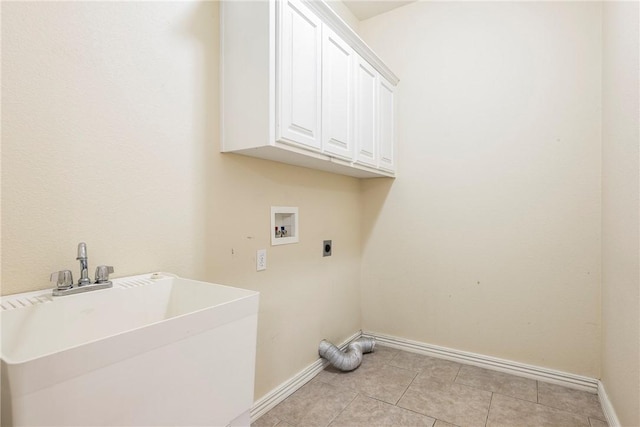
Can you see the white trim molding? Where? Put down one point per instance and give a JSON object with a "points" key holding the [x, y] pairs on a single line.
{"points": [[324, 11], [287, 388], [607, 407], [515, 368]]}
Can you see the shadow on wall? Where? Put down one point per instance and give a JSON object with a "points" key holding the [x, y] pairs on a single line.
{"points": [[203, 27], [374, 195]]}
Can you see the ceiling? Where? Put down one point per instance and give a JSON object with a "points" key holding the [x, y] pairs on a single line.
{"points": [[365, 9]]}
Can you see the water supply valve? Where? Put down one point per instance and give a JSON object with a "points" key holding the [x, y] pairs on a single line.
{"points": [[102, 273], [62, 279]]}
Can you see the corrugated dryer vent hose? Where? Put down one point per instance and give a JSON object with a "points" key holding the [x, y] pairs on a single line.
{"points": [[349, 359]]}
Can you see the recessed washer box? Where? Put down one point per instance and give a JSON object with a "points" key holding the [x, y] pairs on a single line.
{"points": [[284, 225]]}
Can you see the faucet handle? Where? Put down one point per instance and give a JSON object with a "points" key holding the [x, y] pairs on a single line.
{"points": [[102, 273], [62, 279]]}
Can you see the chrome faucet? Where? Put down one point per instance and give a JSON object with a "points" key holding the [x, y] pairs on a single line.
{"points": [[63, 280], [84, 264]]}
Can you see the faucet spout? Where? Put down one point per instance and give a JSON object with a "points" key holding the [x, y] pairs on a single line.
{"points": [[84, 264]]}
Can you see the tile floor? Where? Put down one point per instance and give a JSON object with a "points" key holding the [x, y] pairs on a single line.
{"points": [[397, 388]]}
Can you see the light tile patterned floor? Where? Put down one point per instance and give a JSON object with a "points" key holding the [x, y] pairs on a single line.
{"points": [[397, 388]]}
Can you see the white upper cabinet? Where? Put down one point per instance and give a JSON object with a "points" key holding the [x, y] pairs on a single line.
{"points": [[299, 76], [366, 120], [338, 61], [298, 86], [386, 126], [374, 119]]}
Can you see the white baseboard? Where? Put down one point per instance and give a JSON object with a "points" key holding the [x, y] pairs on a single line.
{"points": [[607, 407], [515, 368], [287, 388], [565, 379]]}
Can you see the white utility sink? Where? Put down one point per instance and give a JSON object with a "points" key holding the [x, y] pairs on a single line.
{"points": [[152, 350]]}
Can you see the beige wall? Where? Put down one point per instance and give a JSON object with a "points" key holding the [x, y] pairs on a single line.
{"points": [[110, 136], [489, 239], [621, 209]]}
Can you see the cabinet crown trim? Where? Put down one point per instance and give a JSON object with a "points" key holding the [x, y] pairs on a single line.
{"points": [[329, 17]]}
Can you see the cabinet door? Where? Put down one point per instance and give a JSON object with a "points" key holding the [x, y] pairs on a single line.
{"points": [[365, 116], [337, 95], [386, 126], [299, 76]]}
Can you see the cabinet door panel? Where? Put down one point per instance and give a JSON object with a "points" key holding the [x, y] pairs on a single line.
{"points": [[386, 126], [299, 76], [365, 131], [337, 95]]}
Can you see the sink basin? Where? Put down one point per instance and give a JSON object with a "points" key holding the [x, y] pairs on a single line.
{"points": [[152, 350]]}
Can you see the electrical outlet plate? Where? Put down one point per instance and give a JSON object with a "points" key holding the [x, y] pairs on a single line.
{"points": [[326, 248], [261, 259]]}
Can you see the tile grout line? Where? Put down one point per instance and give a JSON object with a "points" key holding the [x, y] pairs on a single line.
{"points": [[418, 372], [401, 408], [489, 410], [397, 352], [419, 413], [406, 389], [457, 373], [475, 387], [409, 385], [343, 409], [544, 406], [569, 411], [482, 387]]}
